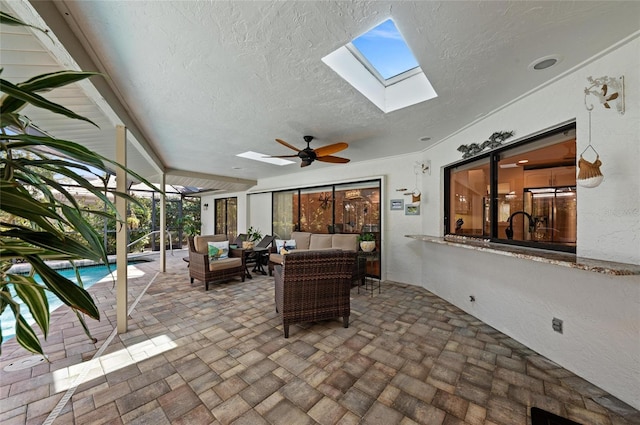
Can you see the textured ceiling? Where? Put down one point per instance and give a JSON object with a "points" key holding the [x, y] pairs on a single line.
{"points": [[203, 81]]}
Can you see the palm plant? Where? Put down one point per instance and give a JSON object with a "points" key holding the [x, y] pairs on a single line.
{"points": [[37, 213], [253, 235]]}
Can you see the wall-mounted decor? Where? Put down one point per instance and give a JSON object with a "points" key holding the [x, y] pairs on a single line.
{"points": [[424, 166], [412, 210], [396, 204], [609, 91], [415, 193], [493, 141]]}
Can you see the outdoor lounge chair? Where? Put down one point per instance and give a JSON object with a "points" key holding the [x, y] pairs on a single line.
{"points": [[314, 285], [202, 269]]}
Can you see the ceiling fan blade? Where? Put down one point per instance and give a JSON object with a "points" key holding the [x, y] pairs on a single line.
{"points": [[280, 156], [329, 149], [282, 142], [333, 159]]}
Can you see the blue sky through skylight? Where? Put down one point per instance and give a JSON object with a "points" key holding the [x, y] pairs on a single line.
{"points": [[385, 48]]}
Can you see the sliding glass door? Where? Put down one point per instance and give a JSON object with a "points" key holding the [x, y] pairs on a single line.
{"points": [[227, 217]]}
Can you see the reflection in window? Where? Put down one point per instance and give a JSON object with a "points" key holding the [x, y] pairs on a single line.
{"points": [[285, 213], [358, 208], [316, 209], [226, 210], [528, 197], [469, 199], [340, 208]]}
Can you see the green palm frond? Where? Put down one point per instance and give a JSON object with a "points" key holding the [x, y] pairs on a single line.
{"points": [[37, 212]]}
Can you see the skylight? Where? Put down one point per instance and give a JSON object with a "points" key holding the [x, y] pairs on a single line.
{"points": [[385, 50], [380, 65], [263, 157]]}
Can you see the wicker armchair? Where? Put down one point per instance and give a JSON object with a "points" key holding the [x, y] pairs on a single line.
{"points": [[199, 267], [314, 285]]}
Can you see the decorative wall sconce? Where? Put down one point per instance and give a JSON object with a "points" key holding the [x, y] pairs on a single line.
{"points": [[425, 166], [206, 206], [608, 90]]}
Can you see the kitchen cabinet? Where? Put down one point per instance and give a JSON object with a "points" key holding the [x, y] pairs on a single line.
{"points": [[550, 177]]}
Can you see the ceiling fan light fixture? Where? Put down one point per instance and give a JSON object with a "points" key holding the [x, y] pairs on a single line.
{"points": [[308, 155]]}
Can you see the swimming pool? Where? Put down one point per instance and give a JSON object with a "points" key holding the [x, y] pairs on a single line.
{"points": [[90, 275]]}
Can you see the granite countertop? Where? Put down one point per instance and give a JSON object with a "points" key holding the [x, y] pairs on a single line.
{"points": [[544, 256]]}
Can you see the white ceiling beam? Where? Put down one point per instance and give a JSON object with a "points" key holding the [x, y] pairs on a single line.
{"points": [[206, 176]]}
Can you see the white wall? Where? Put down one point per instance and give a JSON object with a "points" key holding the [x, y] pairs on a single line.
{"points": [[601, 313], [208, 215], [259, 212]]}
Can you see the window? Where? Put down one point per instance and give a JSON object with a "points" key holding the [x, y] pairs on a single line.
{"points": [[384, 52], [285, 213], [227, 217], [316, 209], [340, 208], [380, 65], [521, 194]]}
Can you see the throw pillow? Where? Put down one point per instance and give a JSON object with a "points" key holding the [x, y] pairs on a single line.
{"points": [[286, 244], [218, 250]]}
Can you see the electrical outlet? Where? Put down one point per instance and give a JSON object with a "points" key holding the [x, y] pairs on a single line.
{"points": [[556, 324]]}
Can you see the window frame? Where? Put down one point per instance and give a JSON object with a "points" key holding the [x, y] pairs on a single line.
{"points": [[494, 157], [298, 191]]}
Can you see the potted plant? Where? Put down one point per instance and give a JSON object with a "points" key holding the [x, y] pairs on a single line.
{"points": [[253, 236], [367, 242], [38, 214]]}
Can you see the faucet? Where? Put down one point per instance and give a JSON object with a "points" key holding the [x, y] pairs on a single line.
{"points": [[509, 230]]}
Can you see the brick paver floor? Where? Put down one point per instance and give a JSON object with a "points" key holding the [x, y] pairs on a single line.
{"points": [[219, 357]]}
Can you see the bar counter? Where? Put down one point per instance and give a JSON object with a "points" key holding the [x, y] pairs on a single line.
{"points": [[533, 254]]}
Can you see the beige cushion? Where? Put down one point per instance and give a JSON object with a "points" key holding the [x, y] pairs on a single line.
{"points": [[275, 258], [302, 239], [225, 263], [345, 242], [320, 241], [201, 242]]}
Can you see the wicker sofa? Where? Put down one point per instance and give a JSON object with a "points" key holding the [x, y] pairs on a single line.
{"points": [[200, 268], [314, 285], [306, 241]]}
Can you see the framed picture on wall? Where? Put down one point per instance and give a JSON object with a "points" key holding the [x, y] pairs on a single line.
{"points": [[396, 204], [412, 210]]}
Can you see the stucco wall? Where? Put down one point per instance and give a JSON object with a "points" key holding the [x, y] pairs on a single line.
{"points": [[601, 314]]}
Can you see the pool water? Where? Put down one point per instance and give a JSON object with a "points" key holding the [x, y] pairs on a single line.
{"points": [[89, 274]]}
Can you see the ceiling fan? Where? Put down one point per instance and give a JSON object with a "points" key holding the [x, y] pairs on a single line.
{"points": [[308, 155]]}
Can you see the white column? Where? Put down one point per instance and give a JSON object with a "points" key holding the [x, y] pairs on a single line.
{"points": [[121, 231], [163, 226]]}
